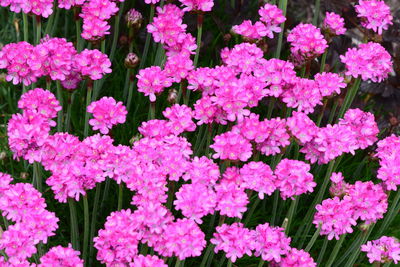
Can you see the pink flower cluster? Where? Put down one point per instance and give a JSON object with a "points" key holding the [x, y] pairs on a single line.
{"points": [[42, 8], [374, 14], [370, 61], [334, 23], [383, 250], [357, 130], [53, 57], [307, 42], [67, 4], [106, 113], [388, 152], [197, 5], [270, 19], [363, 201], [61, 256], [266, 241], [22, 204]]}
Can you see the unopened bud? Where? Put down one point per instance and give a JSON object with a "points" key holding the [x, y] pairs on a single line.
{"points": [[131, 61], [172, 96], [24, 175], [3, 155], [134, 19]]}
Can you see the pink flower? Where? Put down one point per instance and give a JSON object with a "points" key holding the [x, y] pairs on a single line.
{"points": [[307, 42], [202, 171], [155, 128], [339, 187], [329, 83], [195, 201], [182, 239], [278, 136], [152, 81], [71, 81], [147, 261], [272, 17], [178, 66], [293, 178], [270, 242], [242, 57], [231, 199], [302, 127], [258, 176], [92, 63], [180, 119], [297, 258], [250, 31], [388, 153], [335, 216], [384, 249], [41, 102], [370, 60], [231, 146], [374, 14], [61, 256], [235, 240], [197, 5], [106, 113], [67, 4], [334, 23]]}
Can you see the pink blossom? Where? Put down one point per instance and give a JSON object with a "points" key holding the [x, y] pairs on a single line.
{"points": [[370, 60], [297, 258], [232, 146], [388, 153], [155, 128], [278, 136], [242, 57], [258, 176], [106, 113], [231, 199], [92, 63], [384, 249], [302, 127], [179, 119], [235, 240], [147, 261], [334, 23], [197, 5], [250, 31], [202, 171], [41, 102], [329, 83], [67, 4], [374, 14], [61, 256], [152, 81], [272, 17]]}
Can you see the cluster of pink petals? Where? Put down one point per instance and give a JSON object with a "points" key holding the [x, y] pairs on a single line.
{"points": [[22, 204], [382, 250], [334, 23], [180, 119], [297, 258], [370, 61], [293, 178], [95, 14], [42, 8], [357, 130], [388, 152], [363, 201], [106, 113], [374, 14], [231, 146], [67, 4], [307, 42], [61, 256], [53, 57], [270, 242], [258, 176], [270, 19], [152, 81], [147, 261], [197, 5]]}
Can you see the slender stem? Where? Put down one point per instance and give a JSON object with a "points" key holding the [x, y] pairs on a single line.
{"points": [[229, 263], [313, 238], [178, 263], [26, 27], [356, 251], [348, 100], [323, 59], [93, 222], [87, 114], [148, 40], [207, 254], [71, 97], [130, 88], [152, 110], [333, 111], [316, 13], [322, 251], [282, 6], [271, 105], [74, 224], [60, 113], [261, 263], [291, 213], [86, 228], [120, 195], [55, 23], [38, 29], [116, 31], [37, 176], [253, 208], [200, 18], [356, 243], [335, 251], [321, 115], [393, 211], [78, 26], [275, 207]]}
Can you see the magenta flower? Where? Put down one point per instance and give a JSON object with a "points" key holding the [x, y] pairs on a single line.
{"points": [[152, 81], [329, 83], [231, 146], [384, 249], [301, 127], [147, 261], [61, 256], [272, 17], [235, 240], [106, 113], [155, 128], [41, 102], [374, 14], [259, 177], [180, 119], [334, 23], [250, 31], [297, 258], [231, 199], [67, 4], [197, 5], [389, 155], [202, 171], [92, 63]]}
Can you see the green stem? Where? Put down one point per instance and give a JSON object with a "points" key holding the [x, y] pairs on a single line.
{"points": [[271, 105], [209, 138], [87, 114], [253, 208], [322, 251], [37, 176], [291, 213], [229, 263], [316, 13], [348, 100], [38, 29], [116, 31], [86, 228], [71, 97], [78, 26], [50, 20], [207, 254], [323, 60], [282, 6], [93, 222], [333, 111], [392, 213], [321, 115], [178, 263], [200, 18], [120, 195], [60, 113], [130, 88], [74, 224], [313, 238], [357, 250], [152, 110], [26, 27], [335, 251], [261, 263], [275, 207], [148, 40]]}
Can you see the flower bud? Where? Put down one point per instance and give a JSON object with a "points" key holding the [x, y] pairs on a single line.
{"points": [[134, 19], [24, 175], [3, 155], [131, 61], [172, 96]]}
